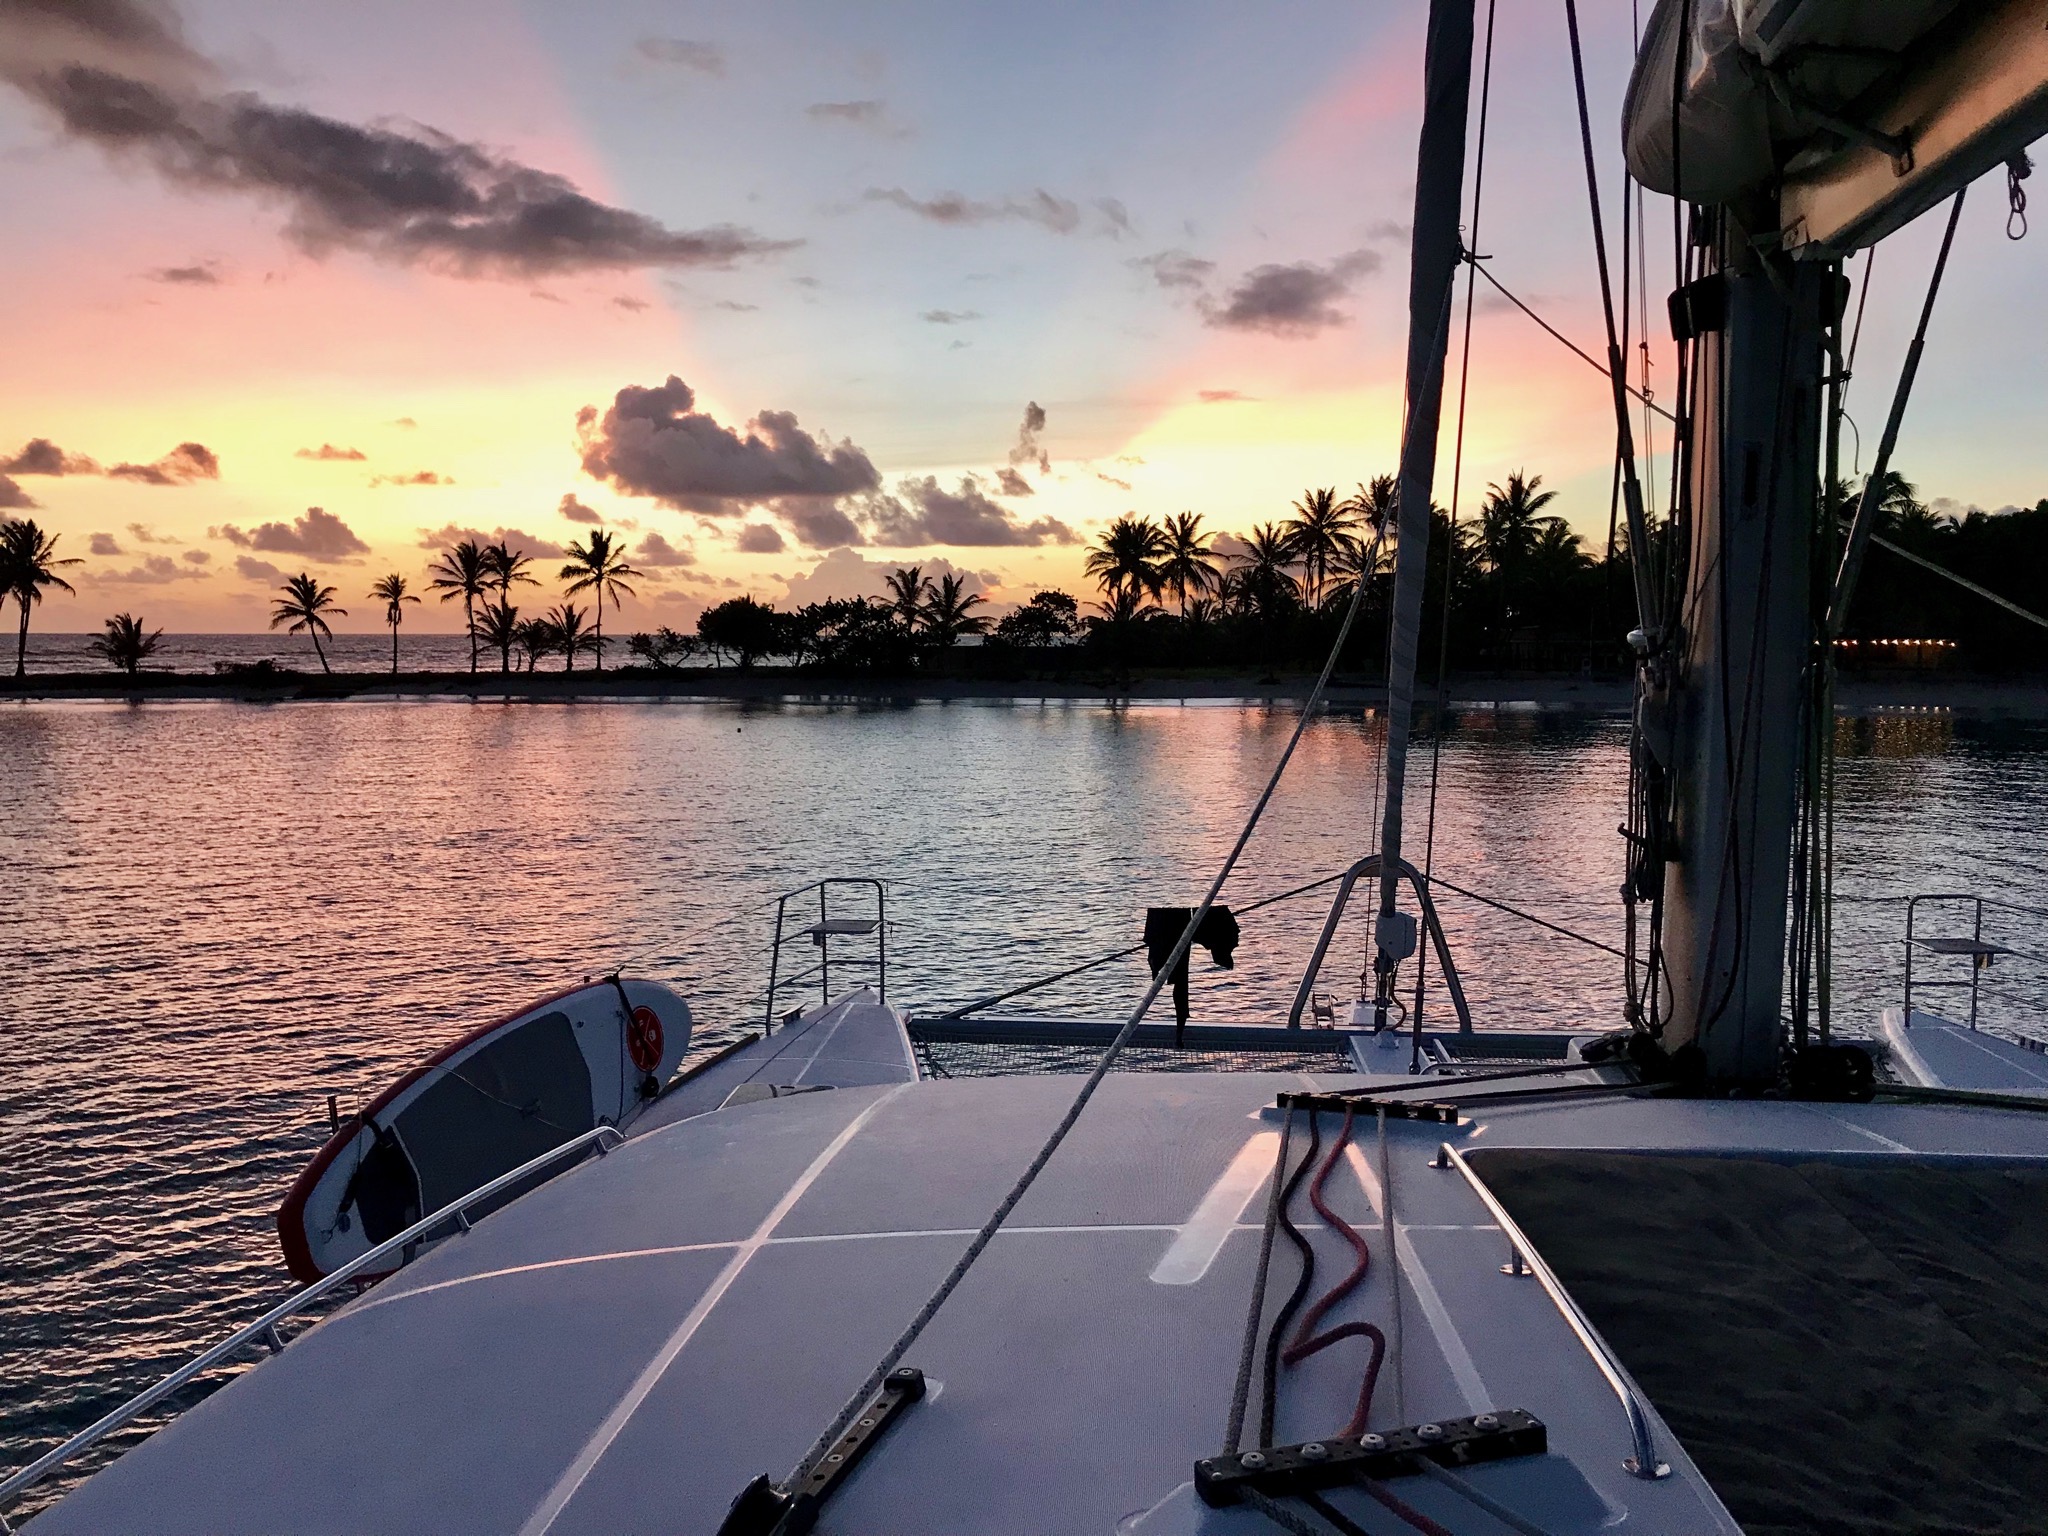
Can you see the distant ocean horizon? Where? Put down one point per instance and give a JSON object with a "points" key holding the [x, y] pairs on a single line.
{"points": [[56, 651]]}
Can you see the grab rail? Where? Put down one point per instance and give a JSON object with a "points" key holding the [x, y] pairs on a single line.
{"points": [[881, 931], [1644, 1462], [265, 1327]]}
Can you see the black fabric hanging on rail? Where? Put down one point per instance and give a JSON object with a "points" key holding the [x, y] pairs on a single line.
{"points": [[1163, 928]]}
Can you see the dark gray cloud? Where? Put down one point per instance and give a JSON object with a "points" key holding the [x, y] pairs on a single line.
{"points": [[734, 306], [319, 535], [1109, 479], [1295, 299], [181, 466], [13, 498], [820, 524], [448, 535], [416, 477], [40, 456], [654, 550], [197, 557], [1060, 215], [576, 512], [257, 570], [1116, 218], [949, 316], [683, 52], [144, 534], [104, 544], [327, 452], [631, 305], [653, 442], [1027, 449], [923, 512], [1176, 269], [1010, 483], [760, 539], [117, 74], [201, 275]]}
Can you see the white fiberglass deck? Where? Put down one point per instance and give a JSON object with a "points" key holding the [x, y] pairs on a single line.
{"points": [[624, 1348]]}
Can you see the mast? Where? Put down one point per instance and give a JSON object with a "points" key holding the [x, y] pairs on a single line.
{"points": [[1435, 249], [1882, 128]]}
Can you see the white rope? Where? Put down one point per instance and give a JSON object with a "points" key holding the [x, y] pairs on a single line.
{"points": [[896, 1351]]}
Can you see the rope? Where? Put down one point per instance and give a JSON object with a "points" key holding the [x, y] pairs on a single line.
{"points": [[1269, 1395], [1307, 1341], [2017, 170], [1281, 1515], [894, 1354], [1233, 1435], [1984, 592], [1571, 346], [1485, 1501]]}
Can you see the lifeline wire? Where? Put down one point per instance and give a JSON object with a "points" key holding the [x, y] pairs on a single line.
{"points": [[989, 1228]]}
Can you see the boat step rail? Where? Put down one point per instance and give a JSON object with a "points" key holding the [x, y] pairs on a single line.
{"points": [[264, 1330], [821, 934]]}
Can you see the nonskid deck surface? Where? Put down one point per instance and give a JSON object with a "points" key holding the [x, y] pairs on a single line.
{"points": [[627, 1346]]}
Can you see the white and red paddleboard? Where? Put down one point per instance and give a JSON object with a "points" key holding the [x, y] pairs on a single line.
{"points": [[498, 1097]]}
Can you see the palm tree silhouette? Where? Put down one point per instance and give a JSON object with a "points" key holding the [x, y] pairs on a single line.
{"points": [[536, 637], [1262, 583], [506, 565], [28, 563], [599, 567], [907, 591], [390, 591], [305, 604], [1320, 533], [125, 645], [1511, 520], [947, 614], [1375, 504], [1129, 554], [463, 572], [1188, 566], [498, 627], [565, 625]]}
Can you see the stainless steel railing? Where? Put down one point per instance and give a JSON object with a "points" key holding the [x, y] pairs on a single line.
{"points": [[604, 1138], [1522, 1255], [821, 935]]}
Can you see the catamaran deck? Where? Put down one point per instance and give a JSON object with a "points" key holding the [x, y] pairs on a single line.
{"points": [[627, 1346]]}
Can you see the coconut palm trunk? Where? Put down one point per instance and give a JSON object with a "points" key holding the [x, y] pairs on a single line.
{"points": [[21, 644]]}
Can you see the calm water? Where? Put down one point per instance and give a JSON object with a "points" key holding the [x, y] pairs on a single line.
{"points": [[215, 914]]}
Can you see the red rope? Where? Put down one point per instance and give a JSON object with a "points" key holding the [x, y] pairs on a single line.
{"points": [[1307, 1341]]}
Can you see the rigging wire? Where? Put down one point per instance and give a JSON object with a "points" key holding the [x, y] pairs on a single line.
{"points": [[1573, 347]]}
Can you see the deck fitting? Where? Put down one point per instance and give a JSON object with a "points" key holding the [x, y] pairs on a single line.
{"points": [[1282, 1470]]}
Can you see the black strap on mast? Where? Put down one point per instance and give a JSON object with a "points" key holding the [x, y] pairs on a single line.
{"points": [[1435, 252]]}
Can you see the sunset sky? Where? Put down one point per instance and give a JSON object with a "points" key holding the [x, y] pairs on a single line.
{"points": [[793, 294]]}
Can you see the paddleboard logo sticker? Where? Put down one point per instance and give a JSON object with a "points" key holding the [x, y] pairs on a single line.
{"points": [[643, 1038]]}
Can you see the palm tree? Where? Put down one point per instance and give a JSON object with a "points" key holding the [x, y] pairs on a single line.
{"points": [[1189, 565], [1375, 504], [505, 566], [947, 614], [390, 591], [1511, 520], [569, 635], [1320, 533], [498, 627], [538, 638], [600, 567], [907, 591], [28, 563], [463, 572], [124, 644], [305, 604], [1129, 555], [1262, 583]]}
